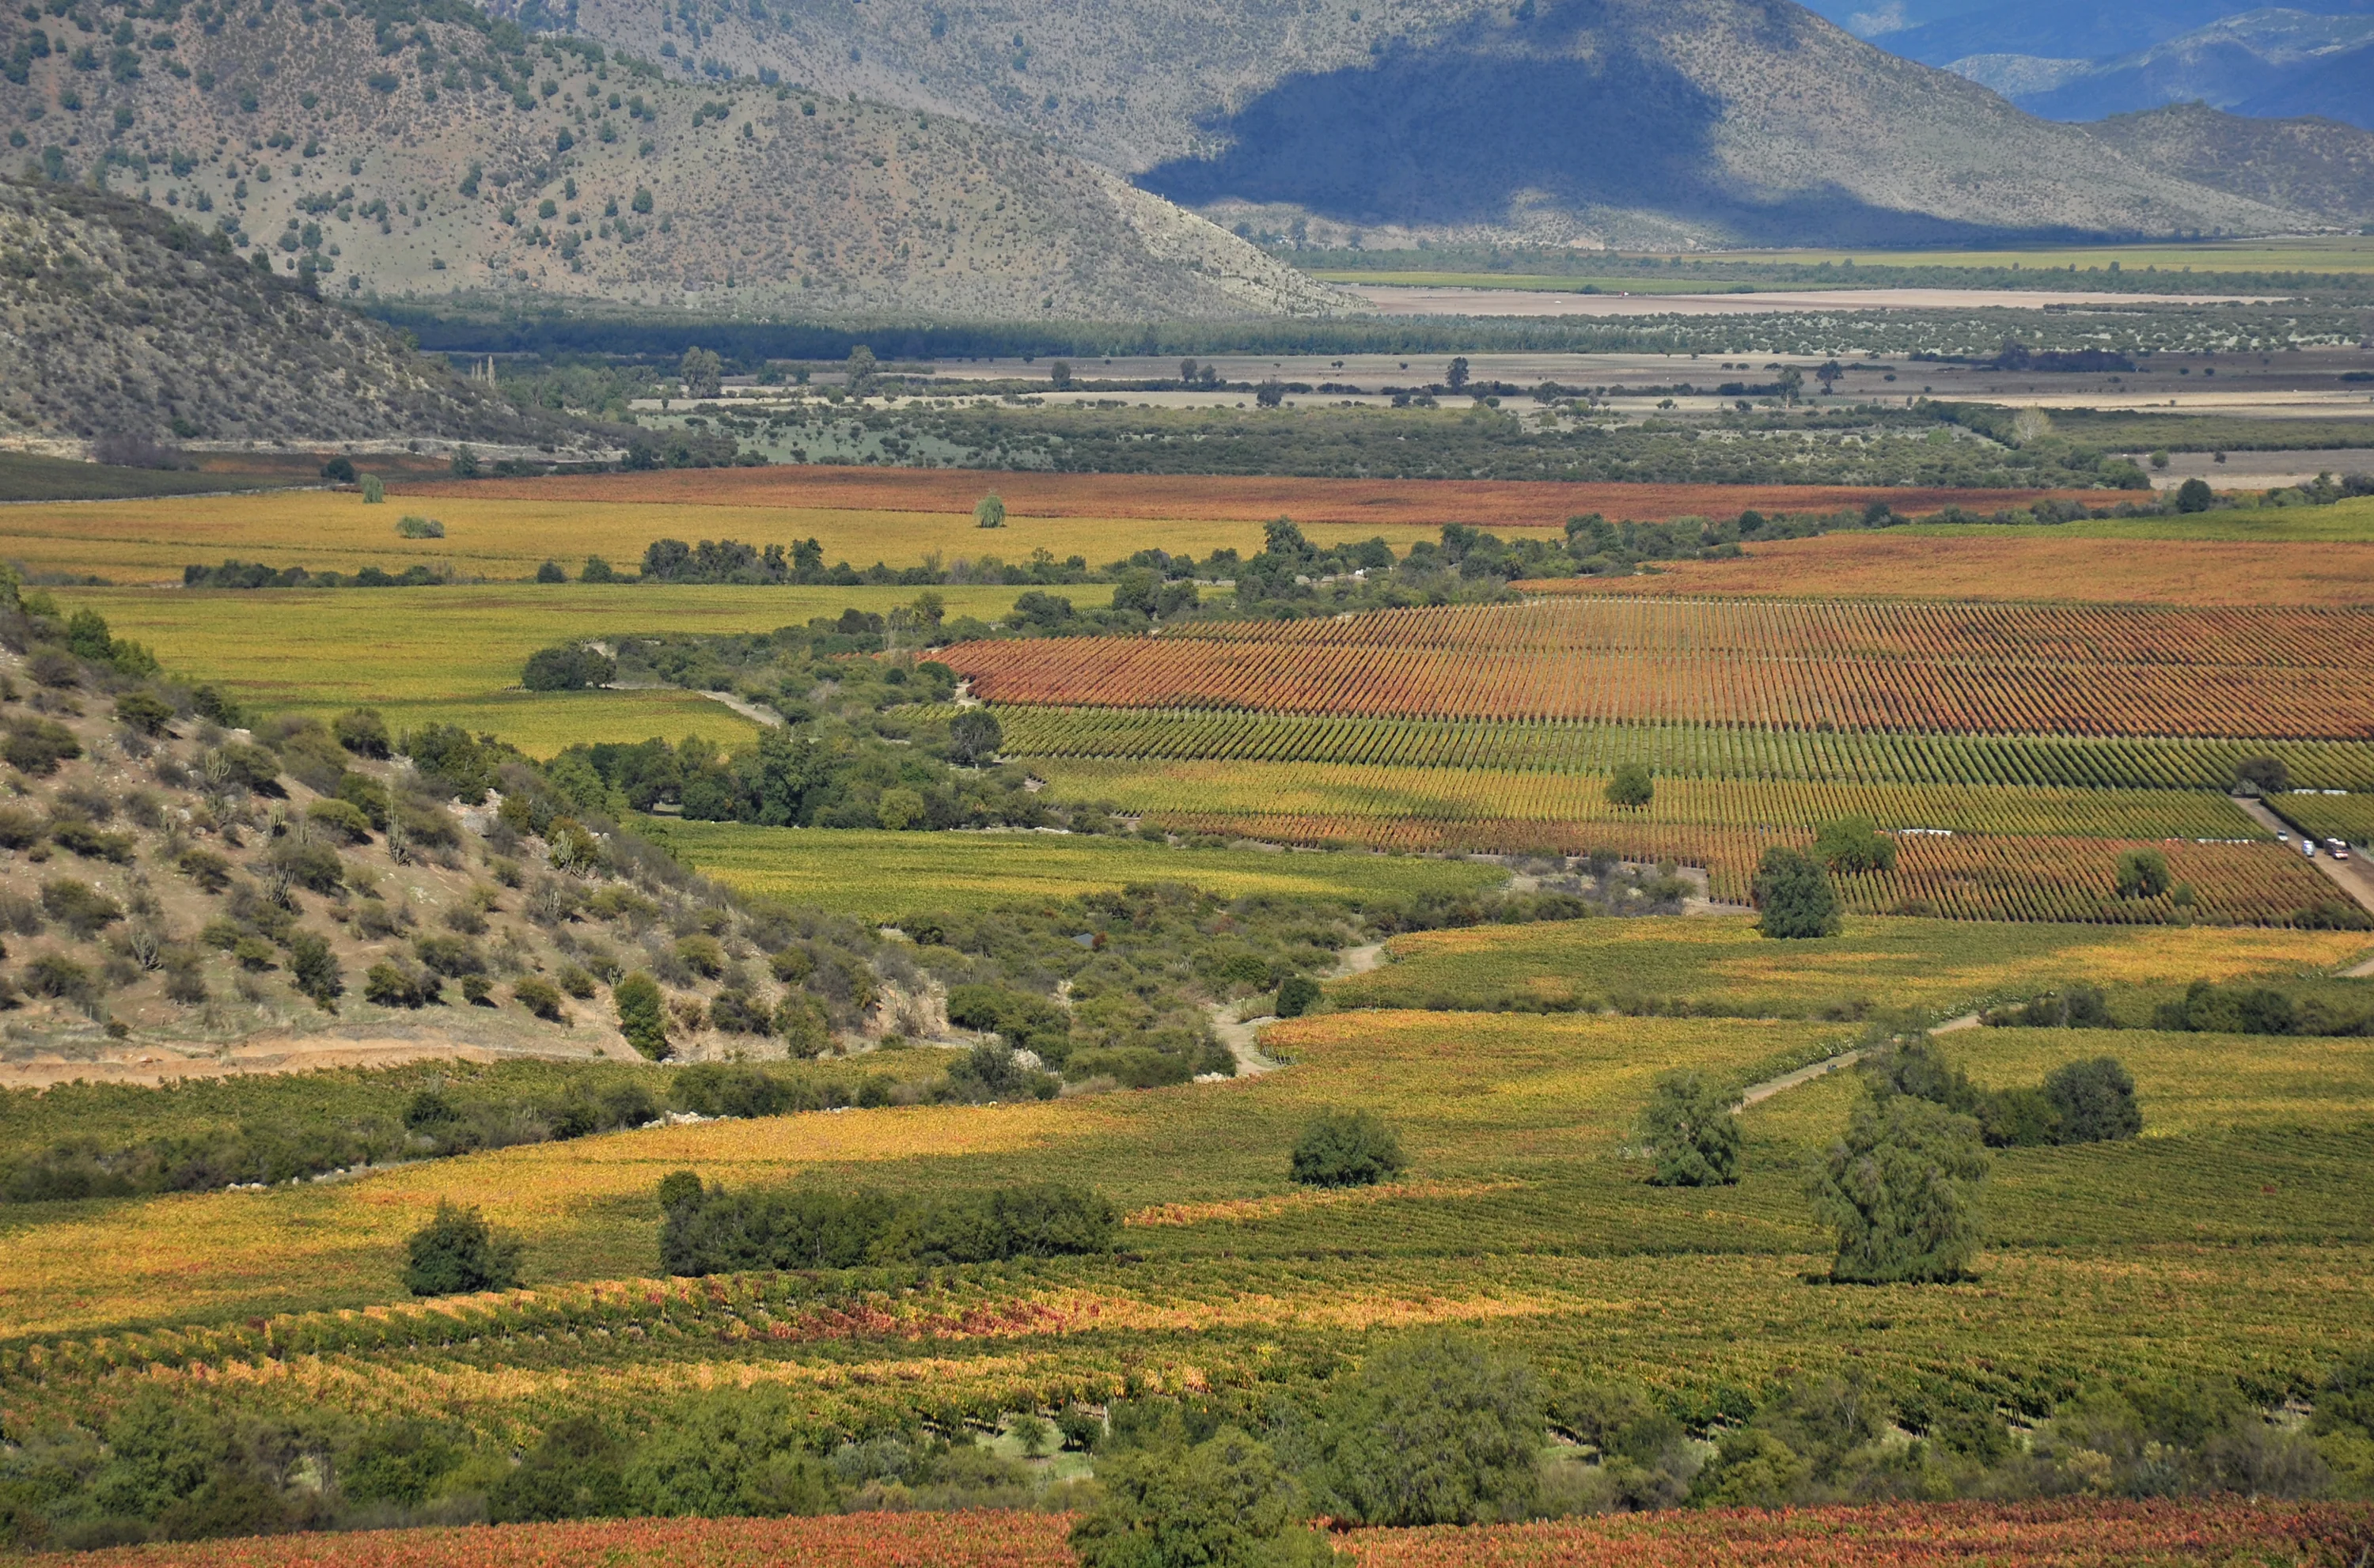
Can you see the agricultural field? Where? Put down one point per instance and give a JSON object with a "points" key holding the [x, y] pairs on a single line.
{"points": [[2045, 1535], [2008, 669], [2100, 562], [1720, 965], [2346, 817], [883, 876]]}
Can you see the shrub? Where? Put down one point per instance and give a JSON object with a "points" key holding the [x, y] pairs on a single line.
{"points": [[313, 866], [90, 841], [2095, 1101], [20, 829], [457, 1252], [1689, 1126], [710, 1230], [2264, 775], [2195, 495], [1631, 786], [550, 572], [567, 667], [79, 907], [1854, 844], [410, 527], [206, 867], [1346, 1149], [974, 736], [989, 511], [1901, 1189], [56, 975], [342, 819], [452, 956], [1224, 1502], [540, 996], [575, 1472], [1299, 995], [38, 745], [702, 955], [144, 711], [374, 490], [1437, 1430], [642, 1014], [313, 970], [362, 732], [390, 984], [2143, 873], [1794, 892]]}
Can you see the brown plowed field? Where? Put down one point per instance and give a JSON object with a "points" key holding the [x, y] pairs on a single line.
{"points": [[1491, 503], [2116, 571]]}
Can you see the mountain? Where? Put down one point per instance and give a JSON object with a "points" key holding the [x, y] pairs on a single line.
{"points": [[2319, 165], [1939, 32], [434, 150], [2263, 63], [118, 323]]}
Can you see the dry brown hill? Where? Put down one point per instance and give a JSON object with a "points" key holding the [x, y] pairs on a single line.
{"points": [[1636, 120], [350, 138], [115, 320], [2321, 165]]}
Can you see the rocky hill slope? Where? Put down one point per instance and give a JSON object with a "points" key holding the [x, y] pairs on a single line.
{"points": [[2320, 165], [118, 321], [435, 150], [1625, 120]]}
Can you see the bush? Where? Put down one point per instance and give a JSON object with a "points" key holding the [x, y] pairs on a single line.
{"points": [[1631, 786], [1689, 1126], [144, 711], [642, 1014], [2264, 775], [1435, 1431], [1299, 995], [974, 737], [390, 984], [2195, 495], [567, 667], [1901, 1189], [1346, 1149], [410, 527], [457, 1252], [314, 971], [575, 1472], [1854, 844], [1794, 892], [989, 511], [38, 745], [342, 819], [2095, 1101], [711, 1231], [540, 996], [1224, 1502], [2143, 873], [362, 732], [78, 906]]}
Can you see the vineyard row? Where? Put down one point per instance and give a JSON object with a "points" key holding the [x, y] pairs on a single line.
{"points": [[1672, 749]]}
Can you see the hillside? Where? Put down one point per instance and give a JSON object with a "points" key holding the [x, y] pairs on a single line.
{"points": [[2320, 165], [351, 145], [2270, 62], [1628, 121], [120, 321]]}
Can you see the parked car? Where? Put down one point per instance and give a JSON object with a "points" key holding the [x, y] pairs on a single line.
{"points": [[2340, 848], [2307, 847]]}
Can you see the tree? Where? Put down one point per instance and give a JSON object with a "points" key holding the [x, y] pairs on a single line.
{"points": [[1059, 375], [1456, 377], [374, 490], [863, 367], [1794, 892], [568, 668], [1298, 996], [642, 1014], [144, 711], [2262, 775], [974, 736], [1854, 844], [2143, 873], [2095, 1101], [2195, 495], [574, 1473], [339, 470], [1901, 1189], [989, 511], [457, 1252], [1631, 786], [1224, 1502], [701, 371], [1690, 1126], [1829, 375], [1187, 368], [550, 572], [1270, 393], [1346, 1149], [1435, 1431], [465, 463], [313, 969]]}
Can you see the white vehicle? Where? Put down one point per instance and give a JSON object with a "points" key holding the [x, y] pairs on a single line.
{"points": [[2282, 838], [2340, 848], [2307, 847]]}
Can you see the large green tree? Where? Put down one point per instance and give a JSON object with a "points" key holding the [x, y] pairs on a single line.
{"points": [[1901, 1189], [1437, 1430]]}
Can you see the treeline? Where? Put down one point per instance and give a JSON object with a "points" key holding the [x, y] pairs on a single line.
{"points": [[256, 574], [2327, 1008], [709, 1229], [2079, 1102]]}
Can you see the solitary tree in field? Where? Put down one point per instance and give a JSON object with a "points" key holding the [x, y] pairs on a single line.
{"points": [[1631, 787], [989, 511], [1829, 375], [457, 1252], [1689, 1126], [1456, 377], [701, 372], [1901, 1189], [1059, 375], [1854, 844], [1347, 1149], [863, 368], [2261, 775], [1794, 892], [2143, 873]]}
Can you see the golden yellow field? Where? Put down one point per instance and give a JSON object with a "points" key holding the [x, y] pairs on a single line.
{"points": [[490, 536]]}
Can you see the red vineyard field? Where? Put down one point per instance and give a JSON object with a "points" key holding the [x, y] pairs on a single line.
{"points": [[2083, 1534], [1975, 877], [1982, 670]]}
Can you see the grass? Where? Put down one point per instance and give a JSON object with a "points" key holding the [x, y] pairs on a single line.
{"points": [[1878, 962], [495, 530], [884, 876], [27, 478], [455, 651]]}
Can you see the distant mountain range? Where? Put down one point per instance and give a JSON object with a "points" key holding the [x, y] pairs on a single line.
{"points": [[2072, 60]]}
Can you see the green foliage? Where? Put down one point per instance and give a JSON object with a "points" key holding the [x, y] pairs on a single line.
{"points": [[1853, 844], [1631, 786], [1346, 1149], [989, 511], [1435, 1430], [713, 1231], [1901, 1189], [1690, 1126], [1794, 894], [740, 1454], [567, 667], [2143, 873], [2094, 1102], [642, 1014], [457, 1252], [1223, 1503], [576, 1471], [1298, 995]]}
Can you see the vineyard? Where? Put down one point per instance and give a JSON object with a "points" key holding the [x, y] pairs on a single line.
{"points": [[1709, 751], [2061, 1534], [2002, 671], [2346, 817]]}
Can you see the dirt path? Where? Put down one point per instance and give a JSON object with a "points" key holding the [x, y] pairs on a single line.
{"points": [[1244, 1039], [149, 1065], [1757, 1094], [750, 710]]}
